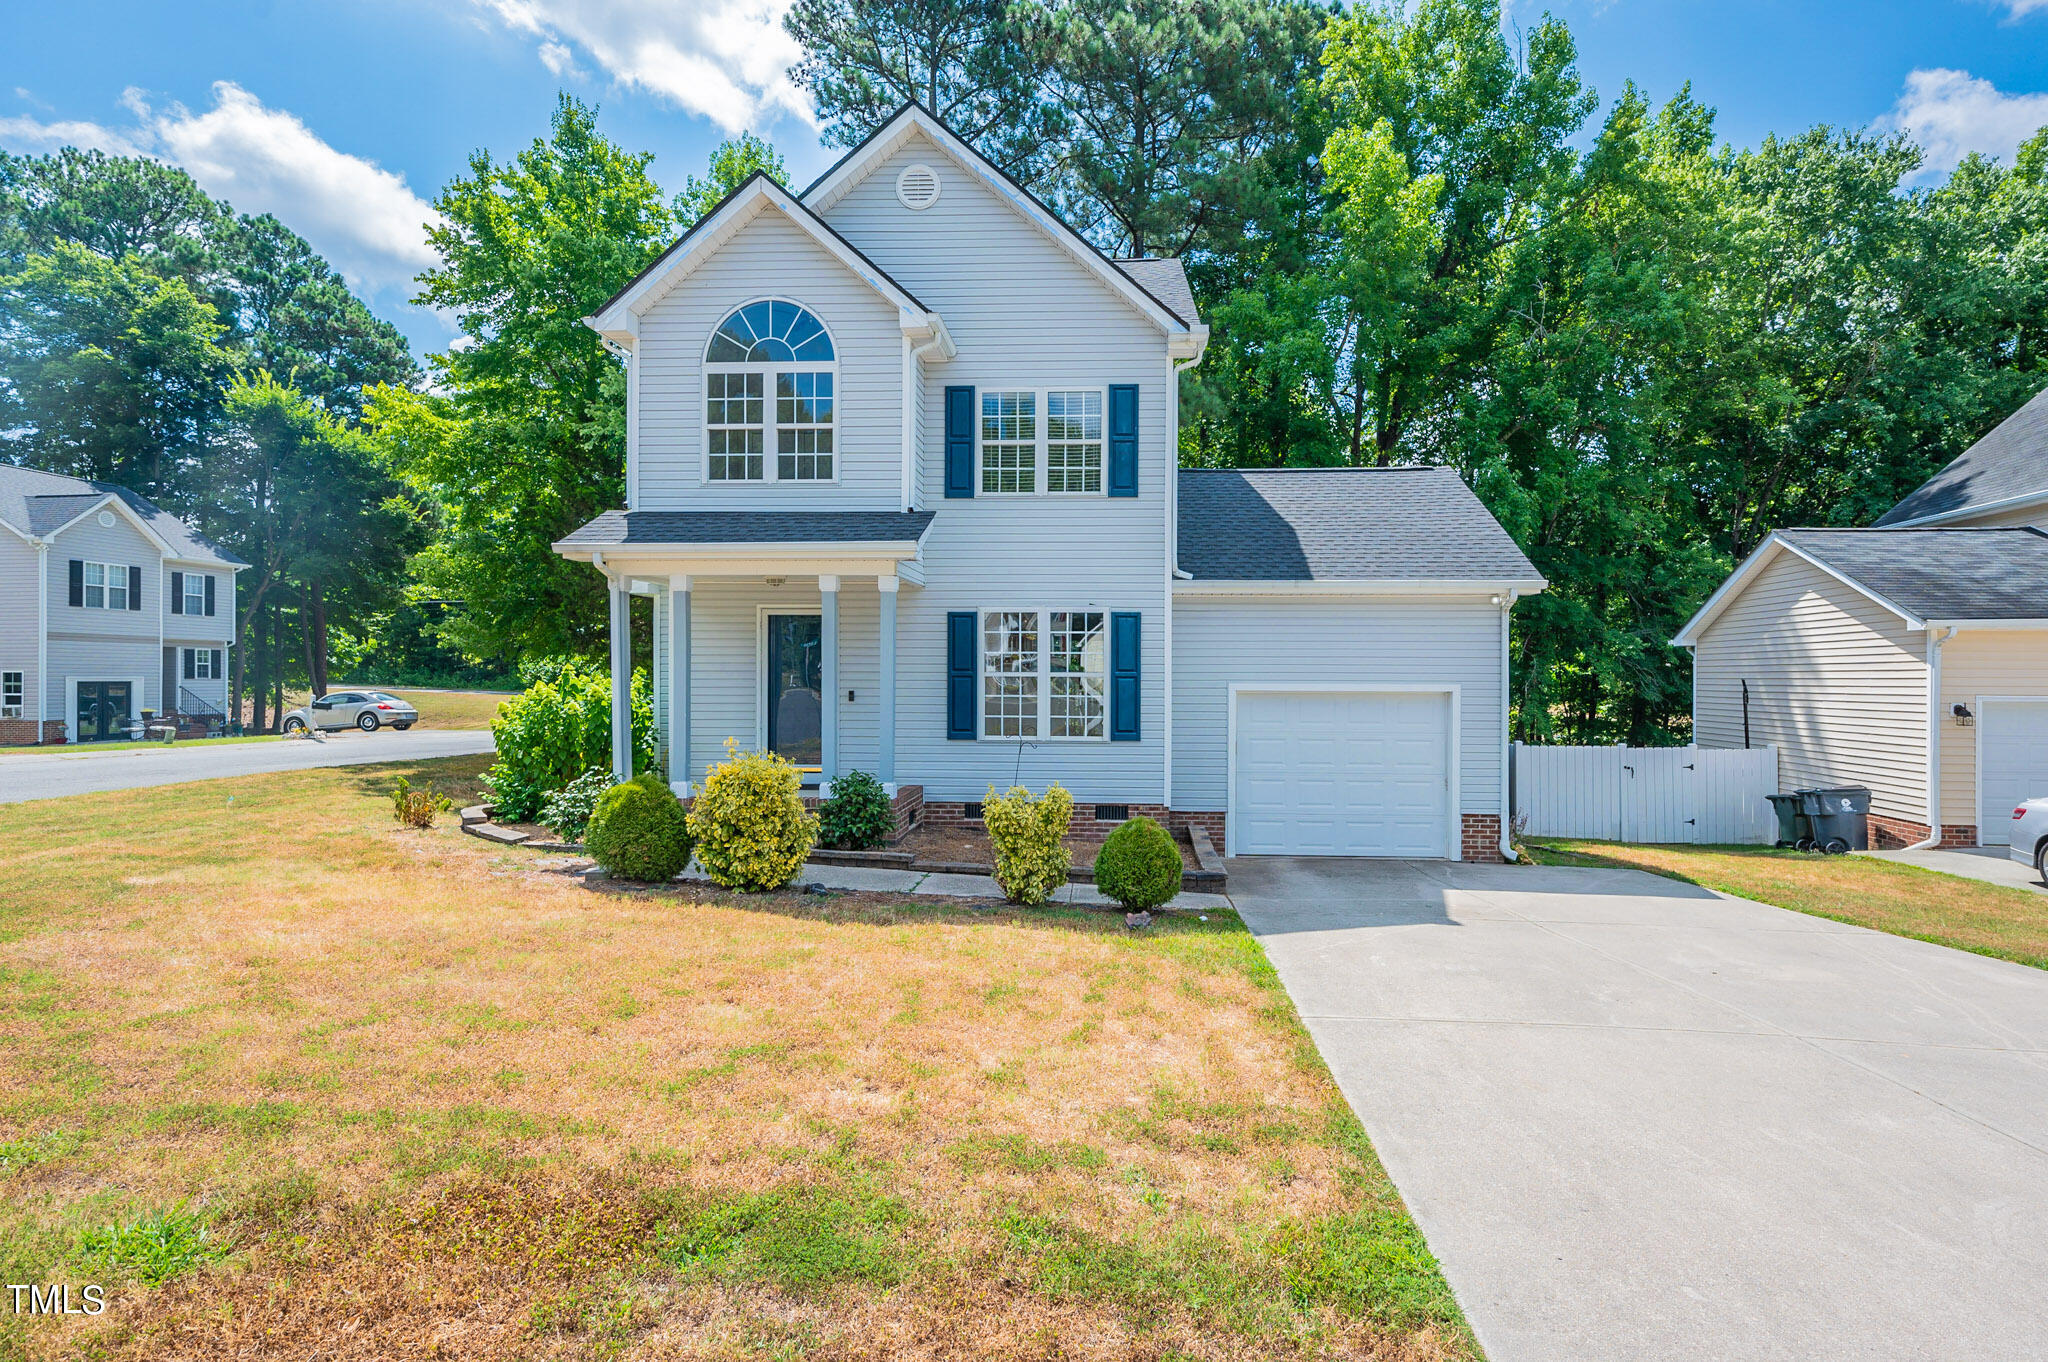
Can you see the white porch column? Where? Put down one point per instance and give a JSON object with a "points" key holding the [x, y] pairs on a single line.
{"points": [[885, 762], [680, 777], [622, 678], [828, 645]]}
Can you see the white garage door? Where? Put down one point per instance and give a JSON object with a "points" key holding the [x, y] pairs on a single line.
{"points": [[2013, 745], [1337, 774]]}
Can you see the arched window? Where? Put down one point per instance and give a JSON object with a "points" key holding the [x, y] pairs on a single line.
{"points": [[778, 347]]}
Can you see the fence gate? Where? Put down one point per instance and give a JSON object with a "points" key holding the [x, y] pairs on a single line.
{"points": [[1647, 794]]}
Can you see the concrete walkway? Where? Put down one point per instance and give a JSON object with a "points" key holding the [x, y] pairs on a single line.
{"points": [[1990, 864], [957, 886], [80, 770], [1638, 1120]]}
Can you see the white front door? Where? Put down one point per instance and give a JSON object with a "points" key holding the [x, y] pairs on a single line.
{"points": [[2012, 752], [1342, 773]]}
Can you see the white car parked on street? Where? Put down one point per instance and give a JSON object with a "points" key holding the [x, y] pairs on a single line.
{"points": [[2030, 835]]}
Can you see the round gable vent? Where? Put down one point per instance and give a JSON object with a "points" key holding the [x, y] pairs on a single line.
{"points": [[918, 187], [107, 519]]}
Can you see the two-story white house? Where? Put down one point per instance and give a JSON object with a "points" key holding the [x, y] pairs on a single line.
{"points": [[109, 607], [902, 482]]}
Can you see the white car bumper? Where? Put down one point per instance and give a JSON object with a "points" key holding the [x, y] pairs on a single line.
{"points": [[2024, 855]]}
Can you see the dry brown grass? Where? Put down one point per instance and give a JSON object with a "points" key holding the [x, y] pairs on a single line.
{"points": [[441, 1100]]}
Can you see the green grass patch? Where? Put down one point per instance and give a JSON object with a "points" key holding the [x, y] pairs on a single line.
{"points": [[154, 1249], [801, 1238]]}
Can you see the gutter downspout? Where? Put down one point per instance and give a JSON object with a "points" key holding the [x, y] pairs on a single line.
{"points": [[42, 637], [1936, 636], [1174, 369], [1507, 813]]}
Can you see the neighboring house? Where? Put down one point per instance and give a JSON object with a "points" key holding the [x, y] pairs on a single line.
{"points": [[901, 481], [109, 607], [1911, 657]]}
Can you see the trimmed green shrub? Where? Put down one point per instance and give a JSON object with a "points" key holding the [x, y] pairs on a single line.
{"points": [[559, 728], [567, 811], [638, 831], [857, 816], [751, 828], [1139, 865], [1028, 835]]}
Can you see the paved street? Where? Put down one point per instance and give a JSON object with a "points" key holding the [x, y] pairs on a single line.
{"points": [[80, 770], [1638, 1120]]}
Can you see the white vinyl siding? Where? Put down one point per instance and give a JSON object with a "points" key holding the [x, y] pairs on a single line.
{"points": [[218, 628], [18, 621], [83, 658], [122, 545], [1974, 664], [1836, 682], [769, 257], [1332, 641]]}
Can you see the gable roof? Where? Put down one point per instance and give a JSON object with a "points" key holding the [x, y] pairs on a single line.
{"points": [[36, 503], [912, 117], [618, 317], [1165, 278], [2008, 465], [1398, 524], [1920, 575]]}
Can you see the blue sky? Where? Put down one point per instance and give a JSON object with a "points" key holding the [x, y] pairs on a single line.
{"points": [[344, 118]]}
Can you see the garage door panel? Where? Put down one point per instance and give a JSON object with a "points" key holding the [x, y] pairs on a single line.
{"points": [[2013, 743], [1358, 774]]}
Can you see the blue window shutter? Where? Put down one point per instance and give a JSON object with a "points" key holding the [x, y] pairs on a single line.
{"points": [[961, 657], [177, 593], [1123, 442], [960, 442], [1125, 664]]}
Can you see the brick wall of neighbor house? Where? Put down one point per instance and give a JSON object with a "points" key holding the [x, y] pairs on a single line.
{"points": [[22, 732], [1481, 841], [1889, 834]]}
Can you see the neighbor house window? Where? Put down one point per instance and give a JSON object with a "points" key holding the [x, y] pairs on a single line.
{"points": [[1043, 673], [12, 685], [195, 593], [202, 664], [1020, 452], [770, 347], [106, 586]]}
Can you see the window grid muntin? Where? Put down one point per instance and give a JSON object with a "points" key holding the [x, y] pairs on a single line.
{"points": [[1073, 440], [200, 664], [13, 693], [734, 407], [1019, 460], [195, 593], [106, 586], [1044, 674], [805, 407], [1009, 441]]}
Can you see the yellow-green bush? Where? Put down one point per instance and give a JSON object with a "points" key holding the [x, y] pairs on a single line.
{"points": [[1031, 856], [750, 825]]}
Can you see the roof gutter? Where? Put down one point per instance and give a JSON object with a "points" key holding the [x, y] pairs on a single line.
{"points": [[1969, 512], [1936, 636]]}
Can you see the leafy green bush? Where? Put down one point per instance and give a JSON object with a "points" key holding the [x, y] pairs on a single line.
{"points": [[558, 729], [416, 808], [1032, 859], [750, 824], [567, 811], [1139, 865], [638, 831], [857, 816]]}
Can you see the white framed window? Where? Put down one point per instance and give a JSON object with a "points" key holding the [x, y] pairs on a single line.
{"points": [[1042, 440], [13, 687], [1045, 673], [106, 586], [771, 380], [195, 593], [202, 664]]}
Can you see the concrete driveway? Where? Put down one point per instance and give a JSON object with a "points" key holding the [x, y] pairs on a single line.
{"points": [[1638, 1120], [80, 770]]}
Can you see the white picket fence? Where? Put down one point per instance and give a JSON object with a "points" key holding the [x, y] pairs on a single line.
{"points": [[1647, 794]]}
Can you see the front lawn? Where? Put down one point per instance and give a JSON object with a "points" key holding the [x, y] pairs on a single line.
{"points": [[350, 1091], [1990, 919]]}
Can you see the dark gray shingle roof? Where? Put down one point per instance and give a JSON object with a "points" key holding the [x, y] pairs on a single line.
{"points": [[1940, 574], [1164, 279], [1338, 524], [615, 528], [2012, 461], [36, 502]]}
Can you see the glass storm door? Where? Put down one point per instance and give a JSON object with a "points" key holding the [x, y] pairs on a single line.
{"points": [[102, 709], [795, 695]]}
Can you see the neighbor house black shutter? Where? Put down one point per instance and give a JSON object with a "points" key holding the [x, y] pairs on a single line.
{"points": [[134, 588], [960, 663], [177, 593], [78, 581], [209, 594], [217, 669], [960, 442], [1123, 440], [191, 656], [1125, 663]]}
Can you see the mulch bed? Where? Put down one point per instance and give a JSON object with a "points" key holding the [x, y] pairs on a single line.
{"points": [[954, 845]]}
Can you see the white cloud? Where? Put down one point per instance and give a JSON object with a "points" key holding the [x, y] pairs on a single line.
{"points": [[363, 218], [558, 59], [2020, 9], [728, 60], [1953, 113]]}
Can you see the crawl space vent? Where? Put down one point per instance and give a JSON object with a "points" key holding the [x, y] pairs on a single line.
{"points": [[918, 187]]}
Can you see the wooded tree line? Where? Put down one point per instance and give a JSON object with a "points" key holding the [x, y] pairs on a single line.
{"points": [[1418, 239]]}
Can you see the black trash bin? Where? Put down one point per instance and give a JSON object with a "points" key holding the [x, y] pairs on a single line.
{"points": [[1840, 817], [1793, 828]]}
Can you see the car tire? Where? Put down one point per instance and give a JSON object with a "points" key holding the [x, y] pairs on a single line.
{"points": [[295, 725], [401, 727], [2041, 859], [367, 722]]}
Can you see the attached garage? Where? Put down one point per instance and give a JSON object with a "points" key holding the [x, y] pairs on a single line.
{"points": [[2012, 761], [1343, 772]]}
